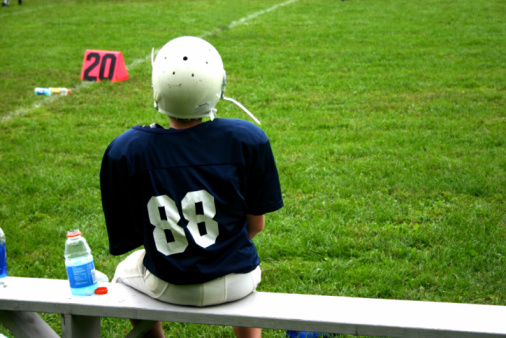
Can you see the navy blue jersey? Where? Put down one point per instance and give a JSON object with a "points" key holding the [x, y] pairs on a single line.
{"points": [[184, 195]]}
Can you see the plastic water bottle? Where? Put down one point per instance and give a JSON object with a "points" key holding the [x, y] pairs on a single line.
{"points": [[79, 264], [51, 91], [3, 255]]}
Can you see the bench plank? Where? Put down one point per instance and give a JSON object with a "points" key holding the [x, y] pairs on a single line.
{"points": [[346, 315]]}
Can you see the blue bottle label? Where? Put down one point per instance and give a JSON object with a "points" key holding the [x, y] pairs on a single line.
{"points": [[81, 276], [3, 261]]}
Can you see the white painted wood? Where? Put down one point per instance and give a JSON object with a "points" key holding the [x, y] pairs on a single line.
{"points": [[26, 324], [356, 316], [75, 326]]}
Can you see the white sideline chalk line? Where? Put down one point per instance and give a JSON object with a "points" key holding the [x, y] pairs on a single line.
{"points": [[22, 111]]}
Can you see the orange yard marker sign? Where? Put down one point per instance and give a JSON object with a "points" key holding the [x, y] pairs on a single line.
{"points": [[101, 65]]}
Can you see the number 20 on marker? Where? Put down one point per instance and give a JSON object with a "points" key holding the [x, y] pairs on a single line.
{"points": [[101, 65]]}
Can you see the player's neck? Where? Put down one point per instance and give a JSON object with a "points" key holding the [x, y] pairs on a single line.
{"points": [[179, 124]]}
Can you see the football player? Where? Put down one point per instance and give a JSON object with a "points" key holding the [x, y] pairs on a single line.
{"points": [[193, 196], [5, 3]]}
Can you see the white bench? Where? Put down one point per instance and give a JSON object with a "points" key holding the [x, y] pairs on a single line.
{"points": [[22, 298]]}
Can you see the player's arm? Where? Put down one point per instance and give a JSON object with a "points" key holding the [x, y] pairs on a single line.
{"points": [[255, 224]]}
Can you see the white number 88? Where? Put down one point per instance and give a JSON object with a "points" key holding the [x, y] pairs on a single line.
{"points": [[203, 228]]}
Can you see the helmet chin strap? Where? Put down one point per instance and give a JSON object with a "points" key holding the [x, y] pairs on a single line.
{"points": [[212, 113], [242, 107]]}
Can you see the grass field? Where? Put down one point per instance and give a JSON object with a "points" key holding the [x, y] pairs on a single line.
{"points": [[387, 119]]}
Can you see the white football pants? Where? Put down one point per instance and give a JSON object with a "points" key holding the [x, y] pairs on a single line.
{"points": [[133, 273]]}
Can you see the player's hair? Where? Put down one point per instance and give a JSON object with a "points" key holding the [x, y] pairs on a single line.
{"points": [[187, 120]]}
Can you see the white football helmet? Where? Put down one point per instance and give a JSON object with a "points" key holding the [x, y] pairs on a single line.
{"points": [[189, 79]]}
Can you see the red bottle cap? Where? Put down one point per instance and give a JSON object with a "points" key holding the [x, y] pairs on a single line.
{"points": [[73, 233], [101, 290]]}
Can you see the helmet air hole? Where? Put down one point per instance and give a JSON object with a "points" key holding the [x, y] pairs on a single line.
{"points": [[185, 58]]}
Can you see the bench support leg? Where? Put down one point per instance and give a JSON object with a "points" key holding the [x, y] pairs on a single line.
{"points": [[141, 328], [26, 324], [80, 326]]}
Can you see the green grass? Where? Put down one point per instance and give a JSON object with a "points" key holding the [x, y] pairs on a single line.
{"points": [[387, 119]]}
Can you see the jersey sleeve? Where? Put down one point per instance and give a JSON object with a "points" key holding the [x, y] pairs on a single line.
{"points": [[119, 204], [263, 190]]}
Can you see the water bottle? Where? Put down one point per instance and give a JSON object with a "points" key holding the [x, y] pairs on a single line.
{"points": [[3, 255], [60, 91], [51, 91], [79, 264]]}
